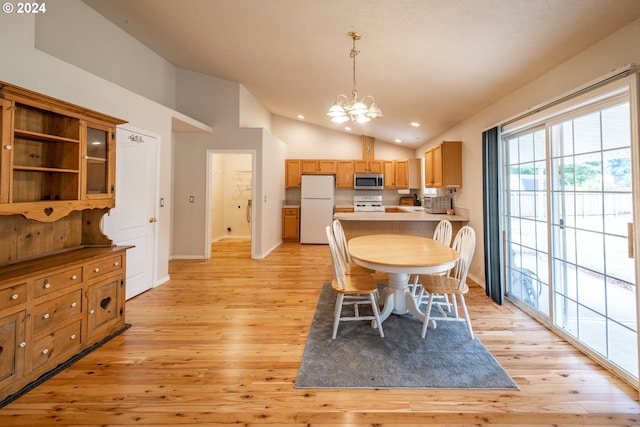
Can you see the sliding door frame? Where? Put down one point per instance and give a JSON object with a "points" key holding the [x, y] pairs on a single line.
{"points": [[591, 95]]}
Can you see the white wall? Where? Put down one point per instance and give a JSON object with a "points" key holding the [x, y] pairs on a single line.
{"points": [[28, 67], [308, 141], [611, 53], [252, 112], [79, 35], [217, 101]]}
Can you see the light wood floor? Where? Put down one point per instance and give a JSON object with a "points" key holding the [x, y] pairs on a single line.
{"points": [[220, 344]]}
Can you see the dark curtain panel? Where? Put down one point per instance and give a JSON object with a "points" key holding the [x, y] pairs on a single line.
{"points": [[491, 214]]}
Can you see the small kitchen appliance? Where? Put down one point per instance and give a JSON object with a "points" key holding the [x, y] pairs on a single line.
{"points": [[437, 204], [368, 203]]}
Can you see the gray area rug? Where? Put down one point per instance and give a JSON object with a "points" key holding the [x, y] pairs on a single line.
{"points": [[358, 358]]}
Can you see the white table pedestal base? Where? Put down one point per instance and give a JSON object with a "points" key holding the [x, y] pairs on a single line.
{"points": [[398, 299]]}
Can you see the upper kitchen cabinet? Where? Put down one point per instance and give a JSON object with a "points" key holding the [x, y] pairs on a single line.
{"points": [[443, 165], [55, 158], [389, 172], [292, 173], [368, 166], [407, 173], [344, 176], [328, 167], [294, 169]]}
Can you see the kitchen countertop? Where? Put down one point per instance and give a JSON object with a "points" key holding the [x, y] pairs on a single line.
{"points": [[411, 213]]}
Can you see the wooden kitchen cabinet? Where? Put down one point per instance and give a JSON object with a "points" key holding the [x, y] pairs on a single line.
{"points": [[308, 166], [443, 165], [368, 166], [326, 167], [291, 224], [389, 171], [407, 173], [293, 173], [344, 175]]}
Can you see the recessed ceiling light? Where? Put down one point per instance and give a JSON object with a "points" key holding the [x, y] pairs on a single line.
{"points": [[415, 124], [300, 116], [347, 128], [399, 141]]}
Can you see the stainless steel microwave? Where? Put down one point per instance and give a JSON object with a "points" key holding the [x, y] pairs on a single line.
{"points": [[368, 181]]}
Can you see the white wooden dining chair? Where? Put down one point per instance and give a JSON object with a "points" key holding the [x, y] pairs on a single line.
{"points": [[343, 252], [352, 290], [442, 234], [454, 285]]}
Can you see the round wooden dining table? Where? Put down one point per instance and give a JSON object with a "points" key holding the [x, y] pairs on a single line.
{"points": [[401, 255]]}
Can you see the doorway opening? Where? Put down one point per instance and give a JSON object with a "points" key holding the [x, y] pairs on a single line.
{"points": [[230, 193]]}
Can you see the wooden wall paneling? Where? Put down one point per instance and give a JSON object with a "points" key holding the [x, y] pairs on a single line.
{"points": [[37, 238], [8, 238]]}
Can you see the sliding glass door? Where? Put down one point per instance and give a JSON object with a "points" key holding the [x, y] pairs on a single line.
{"points": [[568, 208]]}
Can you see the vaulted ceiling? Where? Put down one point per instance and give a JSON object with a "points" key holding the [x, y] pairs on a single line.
{"points": [[435, 62]]}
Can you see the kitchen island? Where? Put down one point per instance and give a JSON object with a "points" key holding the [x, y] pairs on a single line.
{"points": [[402, 220]]}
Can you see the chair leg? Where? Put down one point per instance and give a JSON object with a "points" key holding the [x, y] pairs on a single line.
{"points": [[425, 324], [466, 316], [376, 314], [336, 314]]}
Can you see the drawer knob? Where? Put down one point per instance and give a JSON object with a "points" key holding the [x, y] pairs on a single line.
{"points": [[47, 285], [45, 316], [23, 344], [92, 311], [74, 277], [15, 296], [45, 351], [72, 337], [116, 263], [96, 270], [74, 304], [8, 147]]}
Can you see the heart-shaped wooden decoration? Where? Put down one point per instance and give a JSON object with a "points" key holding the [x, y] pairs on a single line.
{"points": [[48, 211]]}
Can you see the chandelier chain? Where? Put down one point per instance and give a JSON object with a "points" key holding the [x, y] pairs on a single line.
{"points": [[353, 55]]}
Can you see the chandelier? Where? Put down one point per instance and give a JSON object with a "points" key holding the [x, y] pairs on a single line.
{"points": [[359, 110]]}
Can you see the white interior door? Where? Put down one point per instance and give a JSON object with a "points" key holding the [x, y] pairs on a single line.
{"points": [[133, 220]]}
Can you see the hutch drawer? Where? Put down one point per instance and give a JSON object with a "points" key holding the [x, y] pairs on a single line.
{"points": [[51, 347], [104, 266], [56, 311], [57, 281], [13, 297]]}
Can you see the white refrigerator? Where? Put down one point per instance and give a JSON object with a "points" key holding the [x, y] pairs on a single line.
{"points": [[316, 207]]}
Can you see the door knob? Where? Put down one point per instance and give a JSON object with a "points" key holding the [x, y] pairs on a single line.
{"points": [[153, 219]]}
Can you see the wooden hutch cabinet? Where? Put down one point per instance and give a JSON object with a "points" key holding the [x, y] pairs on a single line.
{"points": [[62, 281]]}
